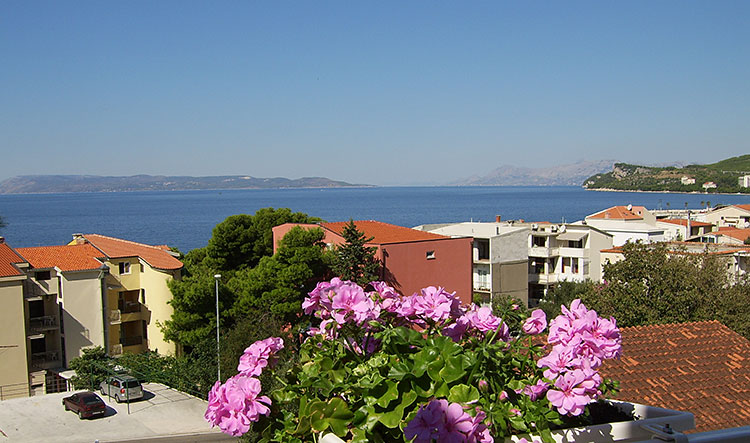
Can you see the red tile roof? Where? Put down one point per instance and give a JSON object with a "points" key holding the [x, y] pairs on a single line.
{"points": [[68, 257], [743, 207], [621, 213], [7, 259], [700, 367], [155, 256], [683, 222], [384, 233], [739, 234]]}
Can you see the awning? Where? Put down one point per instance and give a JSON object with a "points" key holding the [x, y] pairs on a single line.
{"points": [[572, 236]]}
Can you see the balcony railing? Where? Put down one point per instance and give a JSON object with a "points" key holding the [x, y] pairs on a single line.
{"points": [[39, 325], [131, 341], [45, 360], [115, 316]]}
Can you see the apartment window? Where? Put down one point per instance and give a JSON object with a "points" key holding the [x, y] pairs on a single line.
{"points": [[430, 255], [42, 275], [483, 249], [575, 265], [141, 267], [483, 279], [124, 268], [539, 241], [575, 244], [143, 296], [565, 264], [538, 267]]}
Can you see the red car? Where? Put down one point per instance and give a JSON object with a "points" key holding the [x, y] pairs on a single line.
{"points": [[86, 404]]}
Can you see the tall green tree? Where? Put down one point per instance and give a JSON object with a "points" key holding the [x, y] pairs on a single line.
{"points": [[238, 245], [353, 260], [240, 241], [281, 282]]}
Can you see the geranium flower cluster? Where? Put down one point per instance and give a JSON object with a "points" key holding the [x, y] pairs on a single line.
{"points": [[340, 302], [234, 405], [441, 421], [580, 341]]}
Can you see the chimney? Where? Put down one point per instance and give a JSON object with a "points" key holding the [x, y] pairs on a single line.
{"points": [[2, 240], [498, 219], [79, 239]]}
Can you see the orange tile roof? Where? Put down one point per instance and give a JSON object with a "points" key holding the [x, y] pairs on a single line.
{"points": [[739, 234], [384, 233], [67, 257], [700, 367], [155, 256], [620, 213], [683, 222], [7, 259], [743, 207]]}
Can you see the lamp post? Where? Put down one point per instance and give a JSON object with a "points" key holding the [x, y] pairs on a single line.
{"points": [[218, 353]]}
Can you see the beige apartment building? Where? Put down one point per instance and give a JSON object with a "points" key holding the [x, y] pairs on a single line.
{"points": [[63, 299]]}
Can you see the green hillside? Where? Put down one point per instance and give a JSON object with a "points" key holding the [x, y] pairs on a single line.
{"points": [[724, 174]]}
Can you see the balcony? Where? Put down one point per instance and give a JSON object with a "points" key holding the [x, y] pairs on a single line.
{"points": [[45, 360], [573, 252], [544, 252], [543, 279], [40, 325], [134, 340], [129, 311], [115, 350]]}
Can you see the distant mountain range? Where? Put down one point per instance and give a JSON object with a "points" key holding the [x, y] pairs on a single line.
{"points": [[561, 175], [28, 184]]}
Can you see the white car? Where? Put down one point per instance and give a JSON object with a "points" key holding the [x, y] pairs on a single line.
{"points": [[122, 388]]}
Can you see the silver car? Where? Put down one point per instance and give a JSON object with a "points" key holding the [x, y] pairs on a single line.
{"points": [[122, 388]]}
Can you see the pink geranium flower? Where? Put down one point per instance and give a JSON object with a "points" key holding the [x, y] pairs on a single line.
{"points": [[435, 304], [536, 323], [482, 318], [257, 355], [236, 404], [570, 395]]}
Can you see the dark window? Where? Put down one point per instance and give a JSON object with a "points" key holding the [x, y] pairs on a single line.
{"points": [[483, 249], [430, 255], [124, 268], [42, 275], [539, 241], [36, 309]]}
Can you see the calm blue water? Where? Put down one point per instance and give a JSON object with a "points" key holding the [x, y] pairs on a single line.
{"points": [[185, 218]]}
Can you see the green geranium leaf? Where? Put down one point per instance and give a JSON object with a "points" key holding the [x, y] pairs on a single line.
{"points": [[463, 394], [390, 394], [454, 369], [399, 370]]}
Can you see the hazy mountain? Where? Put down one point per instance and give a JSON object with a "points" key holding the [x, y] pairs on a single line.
{"points": [[562, 175], [27, 184]]}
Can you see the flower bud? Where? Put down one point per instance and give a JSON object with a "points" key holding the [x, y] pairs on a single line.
{"points": [[483, 386], [503, 396]]}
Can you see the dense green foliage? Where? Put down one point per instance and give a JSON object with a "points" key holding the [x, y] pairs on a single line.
{"points": [[653, 285], [643, 178], [252, 278], [353, 260]]}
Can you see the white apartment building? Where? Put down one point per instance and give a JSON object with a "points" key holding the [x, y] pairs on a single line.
{"points": [[627, 223], [525, 260]]}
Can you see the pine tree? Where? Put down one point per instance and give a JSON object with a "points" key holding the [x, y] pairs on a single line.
{"points": [[354, 261]]}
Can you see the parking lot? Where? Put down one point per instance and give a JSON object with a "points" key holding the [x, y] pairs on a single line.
{"points": [[162, 415]]}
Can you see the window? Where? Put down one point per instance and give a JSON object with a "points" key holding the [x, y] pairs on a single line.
{"points": [[565, 264], [575, 244], [539, 241], [42, 275], [483, 249], [124, 268], [575, 265], [430, 255]]}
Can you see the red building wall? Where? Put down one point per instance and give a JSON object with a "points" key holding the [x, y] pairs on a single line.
{"points": [[408, 269]]}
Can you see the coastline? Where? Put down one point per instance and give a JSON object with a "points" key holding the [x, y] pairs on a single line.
{"points": [[666, 192]]}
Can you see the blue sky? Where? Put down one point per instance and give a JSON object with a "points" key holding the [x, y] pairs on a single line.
{"points": [[369, 92]]}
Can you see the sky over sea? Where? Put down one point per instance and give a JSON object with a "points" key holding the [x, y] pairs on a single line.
{"points": [[417, 92]]}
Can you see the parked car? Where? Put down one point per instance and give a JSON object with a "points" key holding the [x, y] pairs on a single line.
{"points": [[122, 388], [86, 404]]}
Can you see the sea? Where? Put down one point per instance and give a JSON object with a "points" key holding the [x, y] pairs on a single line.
{"points": [[185, 219]]}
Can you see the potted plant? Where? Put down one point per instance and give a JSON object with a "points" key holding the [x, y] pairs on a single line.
{"points": [[382, 367]]}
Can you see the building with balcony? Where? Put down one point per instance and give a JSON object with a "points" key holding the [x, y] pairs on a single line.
{"points": [[733, 216], [627, 223], [59, 300], [136, 292], [410, 259], [525, 260]]}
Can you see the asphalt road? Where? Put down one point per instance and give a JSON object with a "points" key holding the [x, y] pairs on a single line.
{"points": [[163, 415]]}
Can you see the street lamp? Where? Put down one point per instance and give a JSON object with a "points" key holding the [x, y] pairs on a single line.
{"points": [[218, 354]]}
